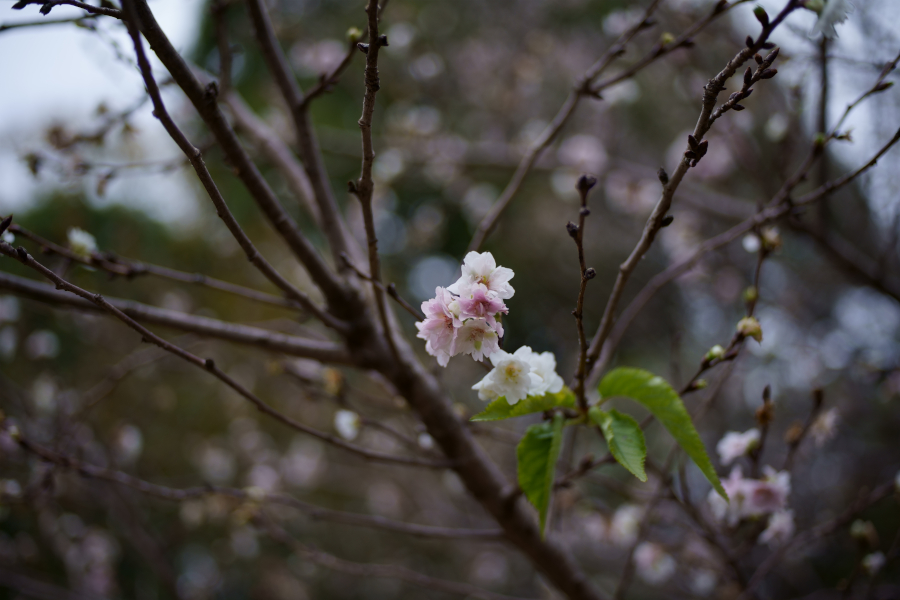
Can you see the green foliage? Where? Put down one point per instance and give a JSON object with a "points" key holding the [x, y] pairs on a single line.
{"points": [[625, 439], [659, 397], [537, 454], [501, 409]]}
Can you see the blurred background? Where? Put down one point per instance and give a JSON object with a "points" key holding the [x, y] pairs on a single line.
{"points": [[467, 87]]}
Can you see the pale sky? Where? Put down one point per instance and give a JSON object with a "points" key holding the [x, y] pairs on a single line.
{"points": [[60, 74]]}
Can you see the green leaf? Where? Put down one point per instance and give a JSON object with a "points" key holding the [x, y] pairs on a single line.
{"points": [[625, 439], [501, 409], [536, 455], [659, 397]]}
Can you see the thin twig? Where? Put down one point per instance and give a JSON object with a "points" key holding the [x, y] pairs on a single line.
{"points": [[209, 365], [204, 99], [325, 352], [586, 87], [782, 204], [364, 187], [48, 5], [829, 527], [302, 248], [78, 20], [391, 289], [369, 571], [695, 150], [127, 268], [307, 144], [585, 183], [312, 511]]}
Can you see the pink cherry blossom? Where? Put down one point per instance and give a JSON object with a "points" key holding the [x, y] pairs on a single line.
{"points": [[439, 329], [478, 302]]}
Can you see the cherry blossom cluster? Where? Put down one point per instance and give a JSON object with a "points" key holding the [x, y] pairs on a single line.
{"points": [[756, 498], [519, 375], [463, 318]]}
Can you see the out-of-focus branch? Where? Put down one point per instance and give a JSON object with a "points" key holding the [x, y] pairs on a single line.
{"points": [[325, 352], [123, 267], [850, 258], [301, 246], [312, 511], [275, 150], [369, 571], [307, 144], [48, 5], [587, 88], [209, 365], [204, 99], [695, 151], [864, 501], [40, 590], [780, 206], [330, 79], [86, 21]]}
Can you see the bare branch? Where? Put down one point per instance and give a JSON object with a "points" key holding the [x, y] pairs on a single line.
{"points": [[302, 248], [864, 501], [586, 88], [48, 5], [368, 571], [86, 21], [325, 352], [307, 144], [696, 149], [124, 267], [204, 100], [314, 512], [365, 185]]}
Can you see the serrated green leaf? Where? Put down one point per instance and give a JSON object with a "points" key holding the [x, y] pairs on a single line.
{"points": [[536, 455], [665, 404], [501, 409], [625, 439]]}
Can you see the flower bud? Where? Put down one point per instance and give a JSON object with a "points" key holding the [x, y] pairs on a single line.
{"points": [[760, 13], [585, 183], [715, 353], [771, 239], [749, 327], [873, 563], [255, 493], [751, 294], [864, 532], [354, 34]]}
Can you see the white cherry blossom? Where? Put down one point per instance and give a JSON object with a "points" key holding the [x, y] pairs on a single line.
{"points": [[482, 268], [511, 377], [733, 445], [477, 338], [780, 529]]}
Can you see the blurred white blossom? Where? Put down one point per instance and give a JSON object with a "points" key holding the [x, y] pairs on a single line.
{"points": [[347, 424], [653, 564], [780, 529], [733, 445], [81, 242], [824, 427]]}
